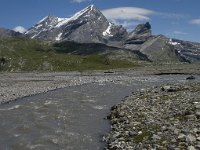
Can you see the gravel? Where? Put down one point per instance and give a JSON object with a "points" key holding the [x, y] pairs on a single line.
{"points": [[18, 85], [157, 118]]}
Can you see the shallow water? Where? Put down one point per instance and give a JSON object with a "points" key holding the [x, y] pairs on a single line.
{"points": [[69, 118]]}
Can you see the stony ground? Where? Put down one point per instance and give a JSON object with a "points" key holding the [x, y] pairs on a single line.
{"points": [[160, 118], [18, 85]]}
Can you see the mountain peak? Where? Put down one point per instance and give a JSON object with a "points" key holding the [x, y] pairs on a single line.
{"points": [[87, 25], [143, 27], [141, 30], [46, 18], [140, 34], [92, 7]]}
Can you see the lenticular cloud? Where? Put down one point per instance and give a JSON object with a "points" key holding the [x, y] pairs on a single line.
{"points": [[134, 13]]}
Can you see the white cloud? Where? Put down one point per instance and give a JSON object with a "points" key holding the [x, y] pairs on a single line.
{"points": [[20, 29], [131, 13], [176, 34], [179, 33], [78, 1], [195, 21], [129, 16], [128, 24], [171, 15]]}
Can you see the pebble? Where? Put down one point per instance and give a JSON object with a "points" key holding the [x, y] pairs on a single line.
{"points": [[190, 138], [190, 78], [166, 119], [181, 137], [191, 148]]}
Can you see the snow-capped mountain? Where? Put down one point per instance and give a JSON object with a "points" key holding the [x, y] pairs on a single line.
{"points": [[91, 26], [87, 26]]}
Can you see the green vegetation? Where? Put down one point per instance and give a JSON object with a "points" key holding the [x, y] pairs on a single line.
{"points": [[22, 54]]}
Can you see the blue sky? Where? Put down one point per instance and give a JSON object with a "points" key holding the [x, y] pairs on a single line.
{"points": [[173, 18]]}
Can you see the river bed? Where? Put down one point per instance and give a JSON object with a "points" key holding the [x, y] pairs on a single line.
{"points": [[68, 118]]}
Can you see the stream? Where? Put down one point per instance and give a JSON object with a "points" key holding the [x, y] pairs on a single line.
{"points": [[71, 118]]}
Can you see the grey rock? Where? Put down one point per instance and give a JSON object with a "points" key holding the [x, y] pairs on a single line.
{"points": [[191, 148], [176, 131], [156, 137], [132, 133], [198, 113], [168, 89], [197, 146], [181, 137], [190, 78], [191, 117], [197, 106], [190, 138]]}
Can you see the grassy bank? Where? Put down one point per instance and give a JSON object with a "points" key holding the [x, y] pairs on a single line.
{"points": [[22, 54]]}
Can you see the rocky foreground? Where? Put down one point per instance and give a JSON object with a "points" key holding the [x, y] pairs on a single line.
{"points": [[160, 118]]}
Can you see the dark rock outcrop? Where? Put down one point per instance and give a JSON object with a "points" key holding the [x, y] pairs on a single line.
{"points": [[140, 35]]}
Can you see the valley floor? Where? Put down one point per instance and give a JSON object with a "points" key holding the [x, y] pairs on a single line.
{"points": [[150, 118], [18, 85]]}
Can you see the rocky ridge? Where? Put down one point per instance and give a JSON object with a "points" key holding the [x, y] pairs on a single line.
{"points": [[157, 118], [90, 26], [87, 26], [190, 51]]}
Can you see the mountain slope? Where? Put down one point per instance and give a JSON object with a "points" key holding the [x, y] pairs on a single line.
{"points": [[7, 33], [189, 51], [158, 50], [22, 54], [89, 32], [87, 26]]}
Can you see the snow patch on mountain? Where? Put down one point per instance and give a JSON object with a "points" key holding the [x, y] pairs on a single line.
{"points": [[20, 29], [107, 32], [173, 43], [58, 38], [42, 19], [62, 22]]}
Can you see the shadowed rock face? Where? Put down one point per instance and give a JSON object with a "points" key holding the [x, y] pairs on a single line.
{"points": [[6, 33], [158, 49], [161, 48], [140, 35]]}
